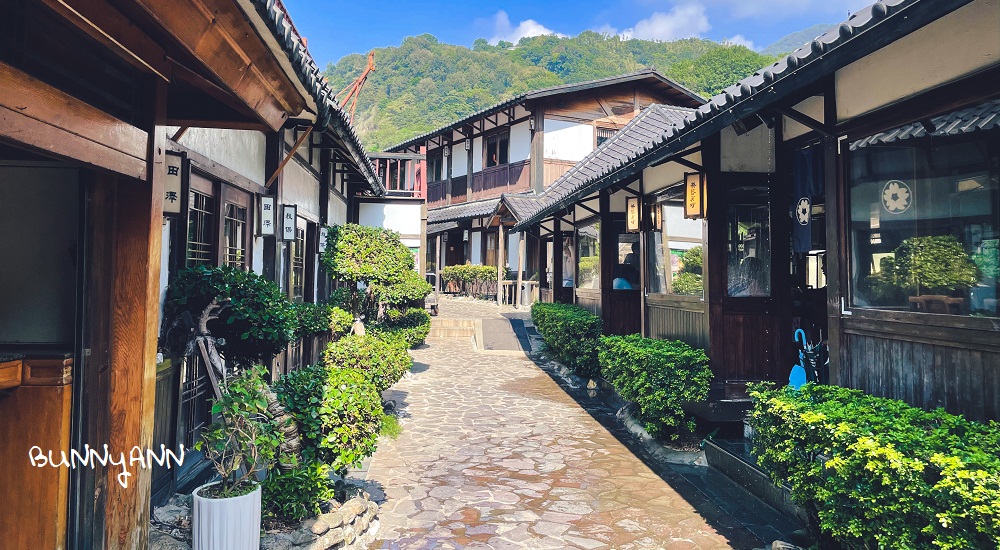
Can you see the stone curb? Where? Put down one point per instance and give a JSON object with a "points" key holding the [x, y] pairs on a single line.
{"points": [[609, 395]]}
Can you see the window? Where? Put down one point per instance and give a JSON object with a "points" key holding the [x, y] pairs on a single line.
{"points": [[588, 252], [201, 230], [490, 248], [748, 227], [925, 222], [674, 254], [604, 134], [235, 236], [626, 270], [497, 149], [298, 271], [568, 263], [435, 166]]}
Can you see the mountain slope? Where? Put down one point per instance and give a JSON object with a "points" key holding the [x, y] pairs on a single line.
{"points": [[424, 84], [790, 42]]}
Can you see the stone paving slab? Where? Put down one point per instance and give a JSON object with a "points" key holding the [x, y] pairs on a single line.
{"points": [[495, 454]]}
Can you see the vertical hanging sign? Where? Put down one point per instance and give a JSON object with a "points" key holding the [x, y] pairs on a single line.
{"points": [[172, 184], [694, 195], [288, 215], [267, 221], [632, 218]]}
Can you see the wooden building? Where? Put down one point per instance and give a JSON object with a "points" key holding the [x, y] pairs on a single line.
{"points": [[96, 207], [850, 189], [519, 147]]}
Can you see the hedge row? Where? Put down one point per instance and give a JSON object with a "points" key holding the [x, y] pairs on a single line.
{"points": [[474, 280], [571, 334], [411, 326], [658, 376], [877, 472]]}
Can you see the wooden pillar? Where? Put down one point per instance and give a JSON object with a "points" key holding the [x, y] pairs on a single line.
{"points": [[835, 247], [608, 256], [447, 185], [537, 175], [644, 226], [134, 331], [557, 261], [541, 259], [520, 267], [501, 261]]}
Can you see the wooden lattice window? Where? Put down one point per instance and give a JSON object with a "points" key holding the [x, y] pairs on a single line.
{"points": [[201, 230]]}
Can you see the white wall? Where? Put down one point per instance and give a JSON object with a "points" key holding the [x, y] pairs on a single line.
{"points": [[667, 174], [568, 140], [477, 154], [459, 160], [513, 246], [958, 44], [242, 151], [258, 256], [476, 247], [336, 210], [520, 142], [751, 152], [812, 107], [300, 187], [402, 218]]}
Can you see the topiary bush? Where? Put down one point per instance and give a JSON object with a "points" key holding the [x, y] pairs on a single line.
{"points": [[340, 321], [257, 321], [571, 334], [338, 410], [878, 473], [383, 361], [406, 293], [411, 326], [299, 493], [312, 318], [658, 376], [473, 280]]}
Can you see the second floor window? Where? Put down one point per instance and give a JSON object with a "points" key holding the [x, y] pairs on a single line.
{"points": [[435, 166], [497, 149], [201, 230]]}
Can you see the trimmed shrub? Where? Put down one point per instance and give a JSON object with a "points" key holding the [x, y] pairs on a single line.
{"points": [[876, 472], [659, 376], [339, 413], [298, 494], [474, 280], [411, 326], [340, 321], [383, 361], [571, 334], [407, 292], [256, 324]]}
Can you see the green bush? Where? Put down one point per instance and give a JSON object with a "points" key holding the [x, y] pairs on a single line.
{"points": [[256, 324], [339, 413], [691, 261], [299, 493], [407, 292], [474, 280], [312, 318], [571, 334], [383, 361], [923, 265], [876, 472], [659, 376], [411, 326], [687, 284], [341, 321]]}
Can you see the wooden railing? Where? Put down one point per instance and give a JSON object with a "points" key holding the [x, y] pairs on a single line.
{"points": [[494, 181]]}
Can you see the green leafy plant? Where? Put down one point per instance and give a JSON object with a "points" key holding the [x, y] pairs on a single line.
{"points": [[411, 326], [246, 440], [383, 361], [687, 284], [390, 426], [340, 321], [930, 265], [407, 292], [658, 376], [878, 473], [298, 493], [473, 280], [987, 259], [571, 335], [256, 320], [339, 413], [691, 261]]}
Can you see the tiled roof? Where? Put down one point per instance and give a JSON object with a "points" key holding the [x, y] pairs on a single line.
{"points": [[463, 211], [330, 114], [635, 138], [860, 35], [554, 90], [985, 116], [435, 228], [520, 204]]}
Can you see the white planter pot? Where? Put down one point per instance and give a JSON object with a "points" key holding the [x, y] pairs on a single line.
{"points": [[225, 523]]}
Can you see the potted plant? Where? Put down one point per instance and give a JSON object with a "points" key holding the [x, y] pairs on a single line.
{"points": [[245, 442]]}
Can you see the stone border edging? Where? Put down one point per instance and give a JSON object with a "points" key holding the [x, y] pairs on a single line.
{"points": [[352, 526]]}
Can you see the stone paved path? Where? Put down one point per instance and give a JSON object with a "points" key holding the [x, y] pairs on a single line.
{"points": [[494, 454]]}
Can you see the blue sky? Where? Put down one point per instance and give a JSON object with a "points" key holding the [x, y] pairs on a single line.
{"points": [[336, 28]]}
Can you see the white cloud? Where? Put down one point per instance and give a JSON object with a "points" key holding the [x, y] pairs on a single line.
{"points": [[684, 21], [783, 9], [503, 30], [739, 40]]}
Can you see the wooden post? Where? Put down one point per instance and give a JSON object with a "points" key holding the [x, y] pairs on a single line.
{"points": [[520, 268], [447, 185], [557, 261], [501, 262], [134, 331], [537, 175], [643, 276]]}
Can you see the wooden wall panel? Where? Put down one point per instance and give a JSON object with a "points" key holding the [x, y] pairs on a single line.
{"points": [[927, 375], [672, 323], [745, 347], [589, 300], [554, 169]]}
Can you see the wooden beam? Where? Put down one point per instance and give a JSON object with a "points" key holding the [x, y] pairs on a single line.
{"points": [[288, 156], [45, 118], [222, 39], [179, 134], [804, 119]]}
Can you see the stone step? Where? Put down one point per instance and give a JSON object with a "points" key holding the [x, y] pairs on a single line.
{"points": [[449, 332], [437, 322]]}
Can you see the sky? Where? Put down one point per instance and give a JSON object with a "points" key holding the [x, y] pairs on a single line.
{"points": [[335, 28]]}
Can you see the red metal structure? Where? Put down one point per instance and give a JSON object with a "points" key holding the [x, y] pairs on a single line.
{"points": [[354, 88]]}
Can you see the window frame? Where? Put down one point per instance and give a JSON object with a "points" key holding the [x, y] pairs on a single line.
{"points": [[501, 135]]}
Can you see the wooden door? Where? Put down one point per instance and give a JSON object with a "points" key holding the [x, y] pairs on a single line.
{"points": [[749, 288], [621, 282]]}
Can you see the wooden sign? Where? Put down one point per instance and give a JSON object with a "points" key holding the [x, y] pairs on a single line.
{"points": [[632, 218], [289, 212], [172, 184], [694, 195], [266, 217]]}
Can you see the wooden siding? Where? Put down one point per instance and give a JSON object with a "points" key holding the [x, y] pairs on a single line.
{"points": [[748, 346], [589, 300], [623, 312], [506, 178], [923, 366], [677, 319], [554, 169]]}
